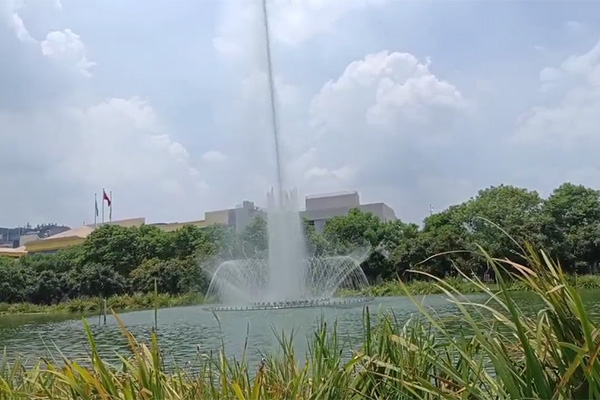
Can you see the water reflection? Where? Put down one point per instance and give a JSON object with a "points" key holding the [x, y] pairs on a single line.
{"points": [[184, 330]]}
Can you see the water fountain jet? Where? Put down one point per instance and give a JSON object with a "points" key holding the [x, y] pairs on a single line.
{"points": [[288, 277]]}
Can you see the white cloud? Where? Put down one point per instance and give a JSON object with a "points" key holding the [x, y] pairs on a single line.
{"points": [[9, 12], [292, 22], [558, 141], [67, 48], [571, 122], [119, 144], [383, 90], [20, 29], [295, 21], [383, 113], [213, 156]]}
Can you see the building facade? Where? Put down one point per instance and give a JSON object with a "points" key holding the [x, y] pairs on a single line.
{"points": [[236, 218], [321, 208]]}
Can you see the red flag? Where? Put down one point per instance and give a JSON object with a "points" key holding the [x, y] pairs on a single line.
{"points": [[105, 197]]}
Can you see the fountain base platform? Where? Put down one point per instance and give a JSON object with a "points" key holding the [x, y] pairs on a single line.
{"points": [[280, 305]]}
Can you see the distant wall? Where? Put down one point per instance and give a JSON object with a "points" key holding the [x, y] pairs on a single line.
{"points": [[341, 200]]}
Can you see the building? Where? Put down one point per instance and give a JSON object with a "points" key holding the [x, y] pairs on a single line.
{"points": [[73, 237], [237, 218], [321, 208], [12, 252]]}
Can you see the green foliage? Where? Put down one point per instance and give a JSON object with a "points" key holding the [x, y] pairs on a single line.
{"points": [[95, 279], [255, 236], [515, 211], [126, 302], [187, 240], [14, 281], [172, 276], [360, 229], [355, 229], [571, 224], [118, 260], [114, 246], [316, 243], [499, 353], [47, 287]]}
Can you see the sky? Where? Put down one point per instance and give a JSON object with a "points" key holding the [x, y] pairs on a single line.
{"points": [[165, 103]]}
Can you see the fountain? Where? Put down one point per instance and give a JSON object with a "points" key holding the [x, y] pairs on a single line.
{"points": [[287, 277]]}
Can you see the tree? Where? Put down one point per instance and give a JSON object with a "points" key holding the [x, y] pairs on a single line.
{"points": [[360, 229], [96, 280], [14, 281], [405, 246], [114, 246], [255, 236], [515, 211], [59, 262], [47, 287], [571, 226], [155, 243], [355, 229], [171, 276], [316, 243], [187, 240]]}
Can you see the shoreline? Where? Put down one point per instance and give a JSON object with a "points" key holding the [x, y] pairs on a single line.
{"points": [[94, 306], [142, 302]]}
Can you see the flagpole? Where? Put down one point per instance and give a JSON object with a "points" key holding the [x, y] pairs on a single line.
{"points": [[95, 209], [110, 211], [103, 205]]}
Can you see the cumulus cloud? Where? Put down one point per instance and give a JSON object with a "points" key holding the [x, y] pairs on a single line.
{"points": [[20, 29], [9, 12], [67, 48], [119, 144], [384, 89], [573, 118], [370, 127], [297, 21], [367, 129], [560, 138], [292, 22]]}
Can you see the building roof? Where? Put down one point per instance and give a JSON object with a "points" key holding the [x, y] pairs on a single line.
{"points": [[81, 232], [125, 223], [333, 194], [19, 251]]}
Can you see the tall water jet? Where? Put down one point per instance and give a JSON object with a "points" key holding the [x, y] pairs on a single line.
{"points": [[287, 249], [273, 103], [287, 277]]}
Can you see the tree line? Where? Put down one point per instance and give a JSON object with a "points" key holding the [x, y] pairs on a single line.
{"points": [[115, 260]]}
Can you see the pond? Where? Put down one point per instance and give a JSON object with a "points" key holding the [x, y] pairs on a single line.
{"points": [[186, 332]]}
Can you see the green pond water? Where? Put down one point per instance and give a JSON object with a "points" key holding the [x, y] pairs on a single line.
{"points": [[187, 332]]}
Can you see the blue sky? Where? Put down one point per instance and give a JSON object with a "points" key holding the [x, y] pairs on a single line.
{"points": [[409, 102]]}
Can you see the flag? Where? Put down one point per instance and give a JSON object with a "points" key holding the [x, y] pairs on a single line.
{"points": [[96, 205], [105, 197]]}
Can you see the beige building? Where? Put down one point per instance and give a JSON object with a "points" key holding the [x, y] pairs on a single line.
{"points": [[237, 218], [323, 207]]}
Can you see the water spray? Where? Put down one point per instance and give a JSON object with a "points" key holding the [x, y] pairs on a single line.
{"points": [[274, 119]]}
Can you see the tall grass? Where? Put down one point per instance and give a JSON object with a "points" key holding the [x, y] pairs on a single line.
{"points": [[397, 287], [500, 353]]}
